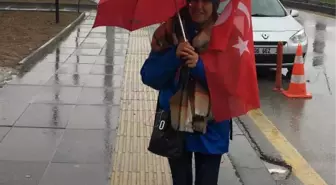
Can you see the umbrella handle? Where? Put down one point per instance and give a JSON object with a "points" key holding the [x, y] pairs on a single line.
{"points": [[182, 27]]}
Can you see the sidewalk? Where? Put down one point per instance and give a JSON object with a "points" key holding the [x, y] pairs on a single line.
{"points": [[82, 116]]}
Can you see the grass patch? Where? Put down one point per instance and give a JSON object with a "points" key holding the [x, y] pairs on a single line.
{"points": [[23, 32]]}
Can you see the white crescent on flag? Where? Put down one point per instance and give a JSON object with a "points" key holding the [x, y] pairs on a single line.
{"points": [[242, 7], [225, 14], [228, 10]]}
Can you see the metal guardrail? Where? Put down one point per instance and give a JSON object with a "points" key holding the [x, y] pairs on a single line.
{"points": [[322, 6]]}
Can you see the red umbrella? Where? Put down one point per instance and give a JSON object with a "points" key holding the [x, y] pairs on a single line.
{"points": [[135, 14]]}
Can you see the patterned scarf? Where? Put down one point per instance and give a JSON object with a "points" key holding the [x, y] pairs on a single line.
{"points": [[190, 106]]}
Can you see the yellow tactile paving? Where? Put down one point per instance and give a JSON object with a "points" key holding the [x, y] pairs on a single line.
{"points": [[132, 163], [139, 45]]}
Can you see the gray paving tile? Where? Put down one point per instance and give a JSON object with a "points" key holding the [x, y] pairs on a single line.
{"points": [[86, 146], [67, 80], [227, 173], [124, 36], [49, 68], [99, 41], [63, 50], [84, 28], [89, 22], [88, 45], [236, 130], [116, 46], [32, 78], [30, 144], [242, 153], [121, 30], [21, 173], [108, 69], [10, 112], [19, 93], [75, 69], [112, 60], [79, 33], [94, 117], [55, 58], [3, 133], [103, 81], [97, 35], [112, 52], [76, 174], [81, 59], [71, 42], [251, 170], [58, 94], [99, 30], [99, 96], [87, 52], [46, 115], [122, 41]]}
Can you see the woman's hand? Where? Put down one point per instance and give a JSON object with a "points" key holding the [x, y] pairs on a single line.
{"points": [[191, 59], [186, 52], [183, 49]]}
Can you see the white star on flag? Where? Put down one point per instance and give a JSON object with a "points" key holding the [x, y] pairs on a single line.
{"points": [[242, 46]]}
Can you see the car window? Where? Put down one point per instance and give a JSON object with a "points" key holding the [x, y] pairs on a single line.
{"points": [[261, 8], [269, 8]]}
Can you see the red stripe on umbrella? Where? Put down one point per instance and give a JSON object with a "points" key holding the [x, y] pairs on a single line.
{"points": [[135, 14]]}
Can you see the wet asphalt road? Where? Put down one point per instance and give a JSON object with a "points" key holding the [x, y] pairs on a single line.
{"points": [[309, 125]]}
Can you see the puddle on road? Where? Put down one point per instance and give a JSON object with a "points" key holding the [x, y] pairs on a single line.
{"points": [[278, 172]]}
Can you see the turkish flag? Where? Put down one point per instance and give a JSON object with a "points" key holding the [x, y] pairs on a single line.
{"points": [[230, 63]]}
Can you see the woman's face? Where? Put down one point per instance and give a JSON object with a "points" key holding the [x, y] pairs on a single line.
{"points": [[200, 10]]}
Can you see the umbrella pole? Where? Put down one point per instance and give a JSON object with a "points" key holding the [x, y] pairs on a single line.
{"points": [[182, 27]]}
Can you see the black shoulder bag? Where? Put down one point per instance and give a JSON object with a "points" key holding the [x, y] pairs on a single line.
{"points": [[165, 140]]}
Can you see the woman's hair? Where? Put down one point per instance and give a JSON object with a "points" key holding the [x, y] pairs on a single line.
{"points": [[186, 18]]}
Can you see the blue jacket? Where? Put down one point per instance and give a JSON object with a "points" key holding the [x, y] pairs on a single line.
{"points": [[159, 72]]}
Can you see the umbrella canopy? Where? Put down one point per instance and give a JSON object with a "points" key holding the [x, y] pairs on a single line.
{"points": [[135, 14]]}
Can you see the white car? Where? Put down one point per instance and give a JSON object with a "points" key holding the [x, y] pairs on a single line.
{"points": [[273, 23]]}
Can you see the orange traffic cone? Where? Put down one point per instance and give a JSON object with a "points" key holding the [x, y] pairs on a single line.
{"points": [[297, 86]]}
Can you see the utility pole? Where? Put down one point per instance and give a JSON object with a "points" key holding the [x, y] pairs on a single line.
{"points": [[57, 10]]}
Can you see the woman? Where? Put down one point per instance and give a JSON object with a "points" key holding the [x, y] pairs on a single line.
{"points": [[160, 70]]}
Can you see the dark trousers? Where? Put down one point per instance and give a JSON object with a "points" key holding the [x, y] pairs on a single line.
{"points": [[207, 169]]}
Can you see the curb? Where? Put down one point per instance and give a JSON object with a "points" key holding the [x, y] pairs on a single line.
{"points": [[41, 9], [322, 8], [247, 163], [48, 5], [48, 46]]}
